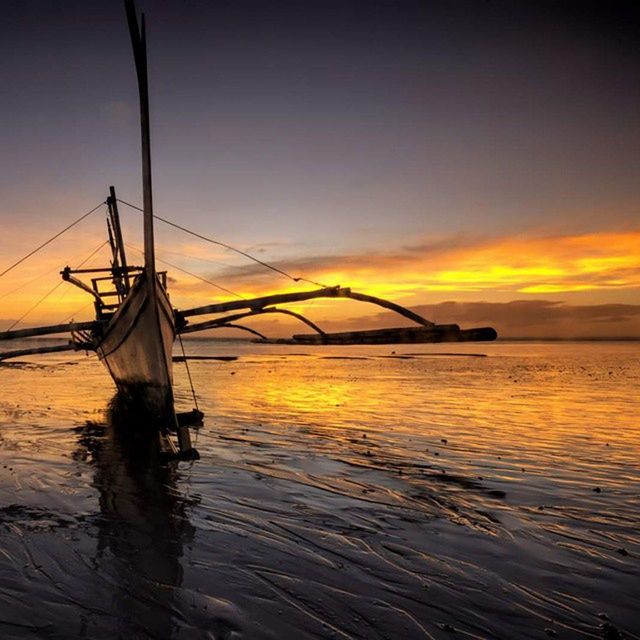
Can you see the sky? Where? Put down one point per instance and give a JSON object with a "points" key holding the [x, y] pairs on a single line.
{"points": [[476, 160]]}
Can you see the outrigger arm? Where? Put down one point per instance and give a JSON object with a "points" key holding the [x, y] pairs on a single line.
{"points": [[255, 304], [19, 353], [426, 332], [48, 330], [77, 342], [226, 321]]}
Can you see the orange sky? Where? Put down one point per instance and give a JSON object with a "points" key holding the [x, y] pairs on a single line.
{"points": [[408, 152], [596, 262], [595, 268]]}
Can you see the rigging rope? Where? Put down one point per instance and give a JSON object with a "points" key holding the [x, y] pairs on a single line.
{"points": [[186, 364], [36, 279], [93, 253], [218, 263], [75, 313], [50, 240], [102, 246], [37, 304], [26, 284], [173, 266], [89, 304], [228, 246], [46, 295]]}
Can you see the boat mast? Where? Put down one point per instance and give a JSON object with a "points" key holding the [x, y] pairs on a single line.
{"points": [[120, 258], [139, 44]]}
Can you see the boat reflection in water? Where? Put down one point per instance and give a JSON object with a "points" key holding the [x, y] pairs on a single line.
{"points": [[142, 527]]}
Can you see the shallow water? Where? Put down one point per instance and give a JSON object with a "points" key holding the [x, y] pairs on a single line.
{"points": [[343, 492]]}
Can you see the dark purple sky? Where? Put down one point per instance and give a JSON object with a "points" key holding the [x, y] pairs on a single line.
{"points": [[329, 127]]}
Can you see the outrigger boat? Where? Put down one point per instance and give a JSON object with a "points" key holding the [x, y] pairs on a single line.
{"points": [[135, 324]]}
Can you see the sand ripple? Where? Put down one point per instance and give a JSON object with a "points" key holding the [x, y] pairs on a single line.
{"points": [[339, 495]]}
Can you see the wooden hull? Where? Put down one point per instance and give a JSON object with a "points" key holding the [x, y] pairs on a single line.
{"points": [[136, 348]]}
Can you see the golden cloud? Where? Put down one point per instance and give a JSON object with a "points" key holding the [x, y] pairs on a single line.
{"points": [[552, 264], [494, 269]]}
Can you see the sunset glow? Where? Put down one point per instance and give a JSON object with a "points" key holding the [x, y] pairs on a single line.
{"points": [[320, 319], [394, 166], [599, 263]]}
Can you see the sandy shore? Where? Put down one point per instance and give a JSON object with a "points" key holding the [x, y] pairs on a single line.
{"points": [[337, 497]]}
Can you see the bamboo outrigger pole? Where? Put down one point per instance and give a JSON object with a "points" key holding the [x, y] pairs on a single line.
{"points": [[426, 332], [19, 353], [256, 304], [226, 320], [48, 330]]}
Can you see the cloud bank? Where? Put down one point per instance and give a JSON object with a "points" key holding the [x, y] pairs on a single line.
{"points": [[554, 264]]}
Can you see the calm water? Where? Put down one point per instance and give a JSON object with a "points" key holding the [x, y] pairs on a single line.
{"points": [[342, 493]]}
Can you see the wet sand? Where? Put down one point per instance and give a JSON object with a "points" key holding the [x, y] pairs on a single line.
{"points": [[342, 493]]}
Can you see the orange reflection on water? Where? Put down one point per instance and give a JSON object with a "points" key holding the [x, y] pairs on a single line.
{"points": [[317, 456]]}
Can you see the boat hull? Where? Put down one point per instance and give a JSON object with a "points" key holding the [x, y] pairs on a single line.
{"points": [[136, 348]]}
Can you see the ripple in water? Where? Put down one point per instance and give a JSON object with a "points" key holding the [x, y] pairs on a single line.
{"points": [[341, 493]]}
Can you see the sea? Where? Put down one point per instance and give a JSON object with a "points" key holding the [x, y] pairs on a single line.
{"points": [[392, 492]]}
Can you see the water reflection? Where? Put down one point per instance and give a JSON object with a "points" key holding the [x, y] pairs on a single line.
{"points": [[143, 523], [330, 491]]}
